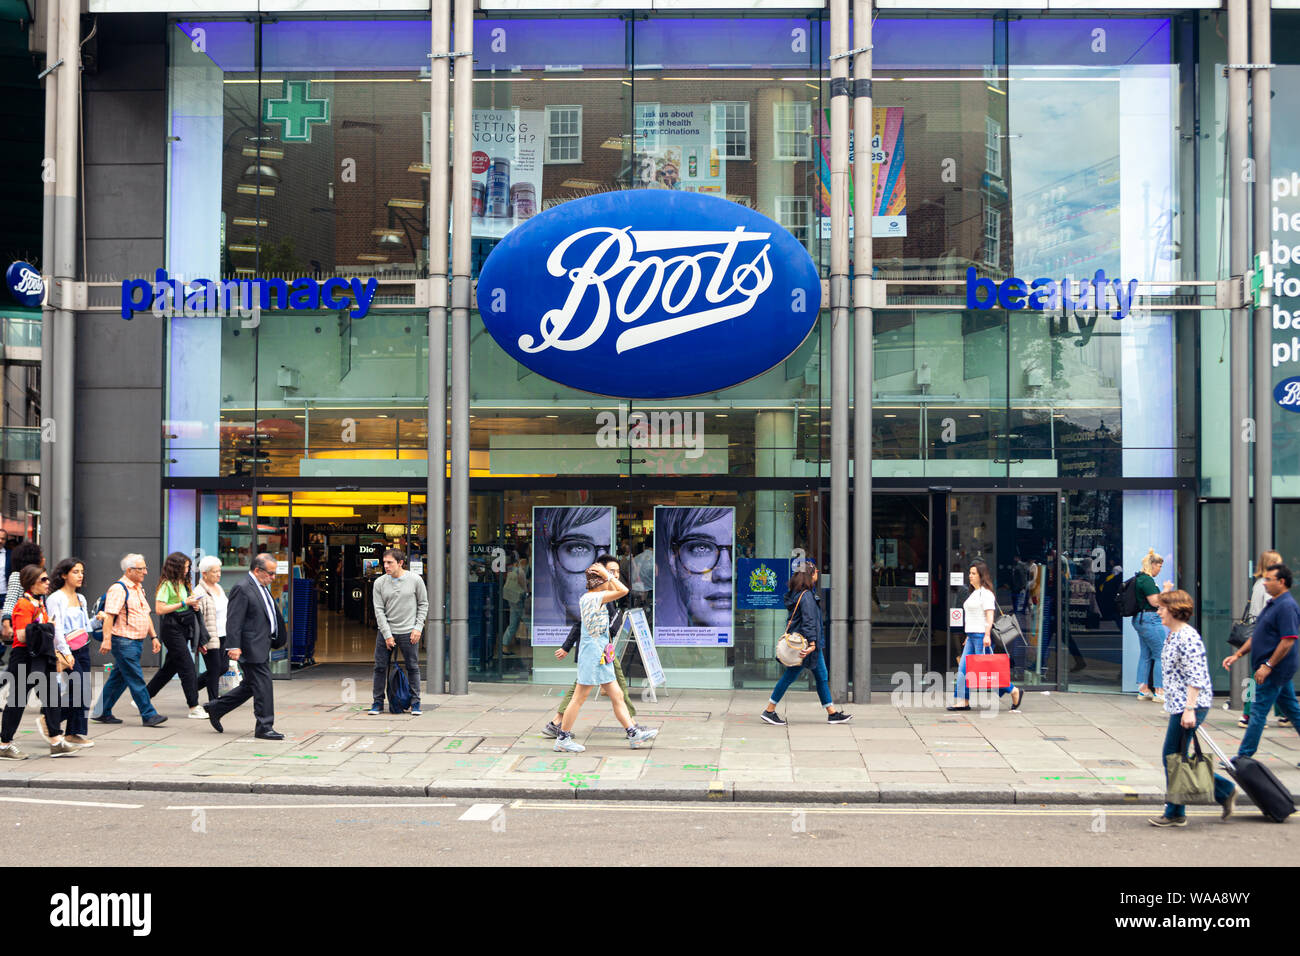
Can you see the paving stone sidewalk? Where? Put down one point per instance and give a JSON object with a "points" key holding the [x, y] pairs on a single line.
{"points": [[1059, 748]]}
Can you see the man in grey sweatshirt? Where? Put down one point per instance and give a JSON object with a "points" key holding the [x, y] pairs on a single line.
{"points": [[401, 605]]}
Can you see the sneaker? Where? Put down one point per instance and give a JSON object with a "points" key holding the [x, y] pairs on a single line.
{"points": [[1229, 804], [43, 727], [1244, 722], [11, 752], [839, 717], [1167, 821], [1159, 698], [416, 711], [772, 717], [1284, 721], [636, 735], [155, 721], [78, 740], [376, 709], [1146, 695], [107, 719], [198, 713], [63, 749], [552, 729], [566, 744]]}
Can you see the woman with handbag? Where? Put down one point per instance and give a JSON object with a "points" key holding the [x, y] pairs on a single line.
{"points": [[805, 625], [36, 659], [978, 612], [175, 606], [66, 609], [1188, 694], [212, 608], [1258, 598], [596, 661]]}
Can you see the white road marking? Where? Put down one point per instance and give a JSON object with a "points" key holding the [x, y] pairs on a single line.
{"points": [[73, 803], [1110, 809], [481, 811], [302, 806]]}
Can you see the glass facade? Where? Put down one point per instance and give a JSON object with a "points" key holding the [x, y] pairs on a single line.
{"points": [[1066, 444]]}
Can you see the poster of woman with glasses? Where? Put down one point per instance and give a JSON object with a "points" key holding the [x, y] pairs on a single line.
{"points": [[566, 542], [693, 588]]}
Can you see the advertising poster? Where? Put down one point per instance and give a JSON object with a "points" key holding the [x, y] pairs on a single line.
{"points": [[1284, 253], [506, 188], [889, 171], [761, 583], [646, 645], [566, 542], [694, 586], [675, 150]]}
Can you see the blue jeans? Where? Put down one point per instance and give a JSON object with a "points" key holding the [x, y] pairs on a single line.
{"points": [[1151, 640], [1173, 742], [516, 615], [975, 645], [126, 674], [76, 696], [818, 666], [1272, 691]]}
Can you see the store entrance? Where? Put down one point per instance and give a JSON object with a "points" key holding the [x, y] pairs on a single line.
{"points": [[923, 545]]}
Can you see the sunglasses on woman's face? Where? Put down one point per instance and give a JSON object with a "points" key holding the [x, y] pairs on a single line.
{"points": [[42, 580]]}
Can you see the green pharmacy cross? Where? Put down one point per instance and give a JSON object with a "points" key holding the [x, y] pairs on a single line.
{"points": [[297, 111]]}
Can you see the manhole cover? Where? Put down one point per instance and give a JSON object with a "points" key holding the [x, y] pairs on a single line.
{"points": [[558, 765], [1116, 763]]}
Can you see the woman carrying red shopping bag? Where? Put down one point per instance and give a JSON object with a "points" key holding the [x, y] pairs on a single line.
{"points": [[979, 610]]}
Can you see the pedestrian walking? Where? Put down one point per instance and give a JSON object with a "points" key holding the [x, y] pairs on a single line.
{"points": [[804, 605], [175, 603], [126, 625], [32, 665], [1188, 695], [978, 612], [514, 591], [212, 606], [596, 661], [1258, 598], [66, 609], [1151, 633], [401, 606], [1273, 655], [23, 555], [254, 627], [552, 729]]}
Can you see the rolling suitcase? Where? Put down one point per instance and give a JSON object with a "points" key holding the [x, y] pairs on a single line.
{"points": [[1258, 782]]}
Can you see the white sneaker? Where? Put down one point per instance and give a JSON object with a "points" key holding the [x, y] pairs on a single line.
{"points": [[641, 734], [566, 744], [198, 713], [1159, 698], [63, 749]]}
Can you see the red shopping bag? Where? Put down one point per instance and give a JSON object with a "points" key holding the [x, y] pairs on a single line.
{"points": [[988, 671]]}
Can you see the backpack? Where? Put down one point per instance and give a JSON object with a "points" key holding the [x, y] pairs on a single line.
{"points": [[95, 623], [1128, 598], [399, 687]]}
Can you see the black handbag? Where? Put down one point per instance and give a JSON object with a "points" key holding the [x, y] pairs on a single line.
{"points": [[1243, 629], [39, 638]]}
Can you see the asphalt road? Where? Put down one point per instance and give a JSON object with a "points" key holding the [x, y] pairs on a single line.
{"points": [[131, 828]]}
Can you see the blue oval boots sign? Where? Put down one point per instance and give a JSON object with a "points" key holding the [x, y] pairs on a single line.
{"points": [[649, 294], [25, 284]]}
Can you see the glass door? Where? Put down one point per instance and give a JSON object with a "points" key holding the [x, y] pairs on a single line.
{"points": [[901, 587], [1016, 536]]}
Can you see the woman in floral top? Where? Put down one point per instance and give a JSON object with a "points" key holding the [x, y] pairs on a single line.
{"points": [[1188, 693]]}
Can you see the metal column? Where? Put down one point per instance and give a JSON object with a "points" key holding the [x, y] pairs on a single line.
{"points": [[47, 264], [435, 507], [57, 523], [839, 348], [1239, 257], [1261, 108], [863, 341], [460, 305]]}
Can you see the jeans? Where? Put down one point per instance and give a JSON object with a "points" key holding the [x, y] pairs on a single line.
{"points": [[817, 665], [180, 660], [975, 645], [411, 658], [1173, 743], [1250, 695], [1151, 640], [516, 615], [75, 700], [1273, 690], [126, 674], [26, 672]]}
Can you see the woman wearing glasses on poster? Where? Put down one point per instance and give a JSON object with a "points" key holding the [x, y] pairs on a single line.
{"points": [[568, 541], [694, 572]]}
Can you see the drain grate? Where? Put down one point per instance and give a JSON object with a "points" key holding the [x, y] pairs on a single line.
{"points": [[1116, 763]]}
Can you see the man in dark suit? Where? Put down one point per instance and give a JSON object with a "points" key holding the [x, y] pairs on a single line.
{"points": [[253, 627]]}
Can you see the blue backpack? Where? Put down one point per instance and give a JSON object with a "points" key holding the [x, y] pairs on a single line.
{"points": [[399, 687], [95, 623]]}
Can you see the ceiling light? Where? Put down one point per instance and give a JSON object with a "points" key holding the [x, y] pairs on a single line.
{"points": [[252, 223], [263, 152], [262, 170], [419, 168], [249, 190], [406, 203]]}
